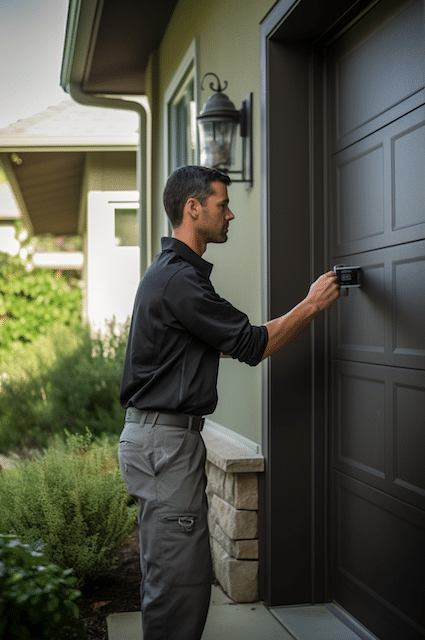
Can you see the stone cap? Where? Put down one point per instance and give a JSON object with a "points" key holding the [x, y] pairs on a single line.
{"points": [[230, 456]]}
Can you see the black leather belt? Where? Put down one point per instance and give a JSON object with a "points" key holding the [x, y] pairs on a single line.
{"points": [[193, 423]]}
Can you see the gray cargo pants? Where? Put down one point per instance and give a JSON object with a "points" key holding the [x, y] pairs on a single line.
{"points": [[164, 471]]}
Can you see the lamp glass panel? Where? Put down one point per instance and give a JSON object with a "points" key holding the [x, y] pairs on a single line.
{"points": [[217, 143]]}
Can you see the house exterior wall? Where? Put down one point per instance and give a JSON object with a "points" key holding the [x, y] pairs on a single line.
{"points": [[111, 273], [111, 171], [227, 37]]}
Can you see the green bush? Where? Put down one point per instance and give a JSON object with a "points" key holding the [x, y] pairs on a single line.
{"points": [[72, 499], [32, 301], [66, 380], [37, 598]]}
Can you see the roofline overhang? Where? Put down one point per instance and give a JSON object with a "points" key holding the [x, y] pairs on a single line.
{"points": [[80, 39], [83, 16]]}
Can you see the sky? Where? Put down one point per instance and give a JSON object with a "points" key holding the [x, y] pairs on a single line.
{"points": [[32, 35]]}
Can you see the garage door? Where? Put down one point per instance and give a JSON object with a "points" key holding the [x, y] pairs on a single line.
{"points": [[376, 116]]}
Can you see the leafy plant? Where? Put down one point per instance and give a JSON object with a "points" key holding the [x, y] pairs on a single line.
{"points": [[32, 301], [66, 380], [73, 499], [38, 599]]}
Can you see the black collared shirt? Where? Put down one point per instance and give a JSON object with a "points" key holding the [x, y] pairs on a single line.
{"points": [[178, 329]]}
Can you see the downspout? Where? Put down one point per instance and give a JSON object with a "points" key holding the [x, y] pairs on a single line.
{"points": [[111, 102]]}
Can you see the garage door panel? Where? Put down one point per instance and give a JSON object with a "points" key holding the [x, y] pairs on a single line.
{"points": [[360, 211], [359, 419], [374, 72], [409, 307], [382, 322], [408, 400], [378, 197], [380, 552], [408, 179], [405, 338], [360, 314], [379, 428]]}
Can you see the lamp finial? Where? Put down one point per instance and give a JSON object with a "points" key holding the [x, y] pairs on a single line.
{"points": [[211, 85]]}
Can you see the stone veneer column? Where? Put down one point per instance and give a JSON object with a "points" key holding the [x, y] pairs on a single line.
{"points": [[232, 489]]}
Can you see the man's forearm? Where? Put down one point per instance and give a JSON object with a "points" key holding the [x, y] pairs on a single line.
{"points": [[322, 294], [284, 329]]}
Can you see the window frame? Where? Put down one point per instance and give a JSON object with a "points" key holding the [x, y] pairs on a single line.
{"points": [[186, 72]]}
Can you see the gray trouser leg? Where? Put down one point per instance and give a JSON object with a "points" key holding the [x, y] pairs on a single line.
{"points": [[164, 470]]}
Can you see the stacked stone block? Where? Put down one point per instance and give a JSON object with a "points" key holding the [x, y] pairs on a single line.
{"points": [[233, 515]]}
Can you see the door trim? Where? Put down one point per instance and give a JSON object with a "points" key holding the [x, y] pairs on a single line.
{"points": [[293, 490]]}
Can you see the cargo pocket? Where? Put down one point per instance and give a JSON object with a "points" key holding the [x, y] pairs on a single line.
{"points": [[185, 549]]}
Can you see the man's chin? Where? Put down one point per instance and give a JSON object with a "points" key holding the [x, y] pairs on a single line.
{"points": [[218, 239]]}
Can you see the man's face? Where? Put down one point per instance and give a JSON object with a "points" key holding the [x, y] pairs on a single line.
{"points": [[216, 215]]}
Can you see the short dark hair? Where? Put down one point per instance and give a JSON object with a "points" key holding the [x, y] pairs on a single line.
{"points": [[186, 182]]}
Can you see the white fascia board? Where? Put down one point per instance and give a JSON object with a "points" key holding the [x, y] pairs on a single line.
{"points": [[22, 146]]}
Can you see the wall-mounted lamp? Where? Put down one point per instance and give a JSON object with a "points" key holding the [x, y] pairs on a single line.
{"points": [[218, 122]]}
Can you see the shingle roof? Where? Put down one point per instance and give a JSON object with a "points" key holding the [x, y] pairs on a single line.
{"points": [[70, 124]]}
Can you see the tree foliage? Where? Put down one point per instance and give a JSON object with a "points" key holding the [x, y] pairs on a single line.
{"points": [[32, 301]]}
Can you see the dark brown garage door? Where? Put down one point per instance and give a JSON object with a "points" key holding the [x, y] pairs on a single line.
{"points": [[377, 221]]}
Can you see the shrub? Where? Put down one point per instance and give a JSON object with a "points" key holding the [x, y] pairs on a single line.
{"points": [[66, 380], [72, 499], [37, 598]]}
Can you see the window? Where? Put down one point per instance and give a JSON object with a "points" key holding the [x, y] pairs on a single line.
{"points": [[126, 232], [182, 124], [180, 107]]}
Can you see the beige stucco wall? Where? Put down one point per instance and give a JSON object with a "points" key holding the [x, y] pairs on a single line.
{"points": [[228, 43], [111, 171]]}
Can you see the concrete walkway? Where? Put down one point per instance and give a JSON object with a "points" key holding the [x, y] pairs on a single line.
{"points": [[253, 621], [226, 621]]}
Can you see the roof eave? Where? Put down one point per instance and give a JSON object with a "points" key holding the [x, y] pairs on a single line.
{"points": [[78, 37]]}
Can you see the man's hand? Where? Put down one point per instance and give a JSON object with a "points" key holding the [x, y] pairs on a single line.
{"points": [[324, 291], [322, 294]]}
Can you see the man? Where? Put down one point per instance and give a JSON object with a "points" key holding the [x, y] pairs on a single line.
{"points": [[179, 329]]}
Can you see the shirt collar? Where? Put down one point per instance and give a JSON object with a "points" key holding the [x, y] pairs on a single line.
{"points": [[185, 252]]}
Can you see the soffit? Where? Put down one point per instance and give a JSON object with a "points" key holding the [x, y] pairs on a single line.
{"points": [[124, 35], [50, 184]]}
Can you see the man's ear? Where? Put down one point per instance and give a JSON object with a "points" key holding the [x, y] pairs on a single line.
{"points": [[192, 208]]}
